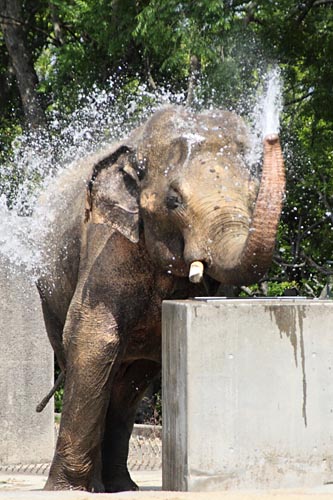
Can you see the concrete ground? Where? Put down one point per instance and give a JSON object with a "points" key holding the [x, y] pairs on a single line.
{"points": [[15, 486]]}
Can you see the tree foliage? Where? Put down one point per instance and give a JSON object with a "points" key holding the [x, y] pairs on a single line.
{"points": [[227, 45]]}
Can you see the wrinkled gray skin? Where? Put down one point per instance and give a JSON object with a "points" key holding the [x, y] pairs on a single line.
{"points": [[128, 223]]}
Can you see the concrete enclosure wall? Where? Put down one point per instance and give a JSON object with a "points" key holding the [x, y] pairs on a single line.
{"points": [[247, 393], [26, 373]]}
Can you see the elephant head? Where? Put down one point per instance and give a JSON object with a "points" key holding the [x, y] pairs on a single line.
{"points": [[185, 177]]}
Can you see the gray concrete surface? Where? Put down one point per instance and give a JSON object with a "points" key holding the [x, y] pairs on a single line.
{"points": [[32, 482], [26, 372], [29, 487], [247, 394]]}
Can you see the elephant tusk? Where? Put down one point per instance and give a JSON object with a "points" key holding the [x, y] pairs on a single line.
{"points": [[196, 272]]}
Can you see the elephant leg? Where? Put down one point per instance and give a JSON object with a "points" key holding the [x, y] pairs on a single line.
{"points": [[92, 359], [54, 330], [128, 388]]}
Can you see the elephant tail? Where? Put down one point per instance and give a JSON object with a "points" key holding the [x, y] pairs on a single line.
{"points": [[60, 379]]}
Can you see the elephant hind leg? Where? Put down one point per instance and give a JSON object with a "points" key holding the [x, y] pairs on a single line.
{"points": [[128, 388], [54, 329]]}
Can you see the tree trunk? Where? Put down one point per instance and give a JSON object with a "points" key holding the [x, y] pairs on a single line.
{"points": [[13, 30]]}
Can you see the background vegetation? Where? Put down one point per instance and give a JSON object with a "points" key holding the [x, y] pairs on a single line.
{"points": [[51, 51]]}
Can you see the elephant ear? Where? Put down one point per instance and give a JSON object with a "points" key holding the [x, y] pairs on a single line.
{"points": [[113, 193]]}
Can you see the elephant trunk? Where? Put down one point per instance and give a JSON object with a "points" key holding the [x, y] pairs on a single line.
{"points": [[246, 259]]}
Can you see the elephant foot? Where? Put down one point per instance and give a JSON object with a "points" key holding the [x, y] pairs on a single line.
{"points": [[61, 485], [120, 483], [97, 486]]}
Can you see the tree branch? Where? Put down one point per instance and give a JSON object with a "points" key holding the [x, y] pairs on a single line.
{"points": [[57, 26], [313, 226], [322, 2], [7, 20], [193, 79], [310, 290], [248, 291], [250, 14], [318, 267], [291, 265], [151, 80], [305, 11], [300, 99]]}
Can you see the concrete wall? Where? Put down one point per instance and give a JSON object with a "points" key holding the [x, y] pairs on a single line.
{"points": [[26, 373], [247, 394]]}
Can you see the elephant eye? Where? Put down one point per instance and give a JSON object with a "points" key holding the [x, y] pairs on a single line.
{"points": [[173, 199]]}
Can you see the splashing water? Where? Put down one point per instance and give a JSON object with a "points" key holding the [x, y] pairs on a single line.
{"points": [[265, 118], [100, 119], [38, 158], [272, 105]]}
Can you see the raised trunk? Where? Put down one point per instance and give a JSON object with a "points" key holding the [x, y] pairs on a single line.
{"points": [[251, 261]]}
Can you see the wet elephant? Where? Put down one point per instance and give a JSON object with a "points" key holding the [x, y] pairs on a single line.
{"points": [[128, 224]]}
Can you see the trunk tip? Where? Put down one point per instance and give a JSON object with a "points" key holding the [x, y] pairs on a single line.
{"points": [[271, 139]]}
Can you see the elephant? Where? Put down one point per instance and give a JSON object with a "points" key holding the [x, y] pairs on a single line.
{"points": [[128, 224]]}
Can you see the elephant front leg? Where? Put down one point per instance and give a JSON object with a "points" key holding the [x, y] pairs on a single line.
{"points": [[91, 362], [128, 388]]}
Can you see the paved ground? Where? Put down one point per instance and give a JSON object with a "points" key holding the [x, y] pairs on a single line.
{"points": [[26, 486], [17, 482], [146, 453], [29, 487]]}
